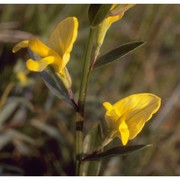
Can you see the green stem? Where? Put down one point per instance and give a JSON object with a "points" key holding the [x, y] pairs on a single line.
{"points": [[85, 76], [81, 103]]}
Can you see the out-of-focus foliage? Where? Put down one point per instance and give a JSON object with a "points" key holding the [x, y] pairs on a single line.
{"points": [[37, 130]]}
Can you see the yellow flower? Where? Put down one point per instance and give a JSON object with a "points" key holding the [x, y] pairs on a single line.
{"points": [[57, 51], [116, 13], [127, 117]]}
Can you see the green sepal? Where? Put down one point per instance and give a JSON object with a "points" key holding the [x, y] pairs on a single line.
{"points": [[92, 141], [97, 13], [117, 53], [119, 150], [53, 82]]}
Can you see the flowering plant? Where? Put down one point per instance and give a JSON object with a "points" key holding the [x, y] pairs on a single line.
{"points": [[126, 118]]}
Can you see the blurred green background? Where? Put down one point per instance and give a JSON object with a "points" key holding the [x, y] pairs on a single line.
{"points": [[37, 131]]}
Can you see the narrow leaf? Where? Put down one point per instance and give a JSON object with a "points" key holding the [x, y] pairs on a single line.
{"points": [[117, 53], [119, 150], [97, 13]]}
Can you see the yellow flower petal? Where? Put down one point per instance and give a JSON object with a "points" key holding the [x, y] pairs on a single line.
{"points": [[124, 133], [22, 44], [40, 48], [129, 115], [65, 77], [62, 39], [58, 53], [39, 65], [110, 116], [104, 26], [141, 113], [107, 106], [112, 19], [64, 61], [119, 11], [134, 102]]}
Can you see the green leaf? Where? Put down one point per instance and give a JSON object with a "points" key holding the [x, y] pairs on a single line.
{"points": [[119, 150], [92, 141], [97, 13], [117, 53]]}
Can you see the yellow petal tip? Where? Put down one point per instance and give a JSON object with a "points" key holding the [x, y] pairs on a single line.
{"points": [[124, 133], [22, 44], [41, 64], [32, 65], [107, 106]]}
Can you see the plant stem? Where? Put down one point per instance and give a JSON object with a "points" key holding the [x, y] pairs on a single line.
{"points": [[85, 76], [81, 103]]}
